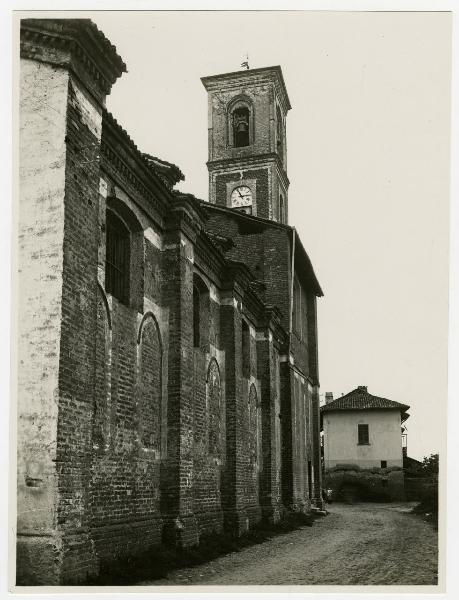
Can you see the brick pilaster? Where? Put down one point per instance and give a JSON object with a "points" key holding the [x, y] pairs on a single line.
{"points": [[268, 366], [235, 518], [177, 476]]}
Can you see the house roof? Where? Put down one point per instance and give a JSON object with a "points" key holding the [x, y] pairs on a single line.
{"points": [[360, 399]]}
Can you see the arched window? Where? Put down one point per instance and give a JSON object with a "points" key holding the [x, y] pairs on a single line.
{"points": [[201, 313], [150, 377], [241, 134], [240, 122], [280, 132], [214, 408], [117, 258]]}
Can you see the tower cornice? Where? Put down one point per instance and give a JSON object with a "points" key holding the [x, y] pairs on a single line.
{"points": [[237, 79], [249, 162]]}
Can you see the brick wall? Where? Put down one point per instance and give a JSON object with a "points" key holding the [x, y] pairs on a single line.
{"points": [[79, 321], [265, 250], [130, 435]]}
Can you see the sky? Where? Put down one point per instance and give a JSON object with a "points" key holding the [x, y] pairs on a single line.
{"points": [[368, 141]]}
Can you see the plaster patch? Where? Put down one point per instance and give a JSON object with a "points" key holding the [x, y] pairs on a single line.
{"points": [[213, 293], [103, 188], [151, 235], [90, 115]]}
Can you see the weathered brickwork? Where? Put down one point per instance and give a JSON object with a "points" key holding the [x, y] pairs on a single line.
{"points": [[162, 393]]}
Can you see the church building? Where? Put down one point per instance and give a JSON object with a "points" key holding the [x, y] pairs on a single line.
{"points": [[167, 376]]}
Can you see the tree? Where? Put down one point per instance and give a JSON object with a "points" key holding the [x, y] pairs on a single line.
{"points": [[430, 465]]}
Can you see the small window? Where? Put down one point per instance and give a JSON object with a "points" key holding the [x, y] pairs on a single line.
{"points": [[117, 258], [384, 464], [241, 132], [364, 438]]}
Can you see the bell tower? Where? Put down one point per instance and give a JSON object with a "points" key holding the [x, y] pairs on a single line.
{"points": [[247, 142]]}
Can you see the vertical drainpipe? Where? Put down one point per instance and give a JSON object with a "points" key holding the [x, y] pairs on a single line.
{"points": [[289, 370], [290, 321]]}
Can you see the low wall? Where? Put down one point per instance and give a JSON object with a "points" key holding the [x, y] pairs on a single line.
{"points": [[351, 484]]}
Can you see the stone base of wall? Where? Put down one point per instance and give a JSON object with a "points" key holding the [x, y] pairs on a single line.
{"points": [[55, 560], [38, 560]]}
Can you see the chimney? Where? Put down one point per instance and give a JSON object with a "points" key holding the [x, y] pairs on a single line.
{"points": [[362, 388], [328, 397]]}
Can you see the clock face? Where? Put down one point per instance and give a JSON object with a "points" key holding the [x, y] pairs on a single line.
{"points": [[241, 196]]}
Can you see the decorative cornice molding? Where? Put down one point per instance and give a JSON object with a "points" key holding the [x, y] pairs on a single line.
{"points": [[252, 161], [121, 158], [184, 216], [76, 44], [125, 176], [258, 76]]}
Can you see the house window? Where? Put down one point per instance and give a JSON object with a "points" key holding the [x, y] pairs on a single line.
{"points": [[117, 258], [384, 464], [364, 438], [241, 133]]}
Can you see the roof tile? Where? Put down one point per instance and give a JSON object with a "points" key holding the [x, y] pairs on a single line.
{"points": [[360, 399]]}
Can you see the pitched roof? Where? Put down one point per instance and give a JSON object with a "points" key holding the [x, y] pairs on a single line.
{"points": [[302, 261], [360, 399]]}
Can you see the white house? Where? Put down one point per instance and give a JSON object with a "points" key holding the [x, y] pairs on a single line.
{"points": [[364, 430]]}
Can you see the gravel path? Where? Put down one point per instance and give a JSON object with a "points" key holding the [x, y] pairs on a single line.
{"points": [[360, 544]]}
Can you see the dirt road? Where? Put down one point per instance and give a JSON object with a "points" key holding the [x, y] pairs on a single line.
{"points": [[360, 544]]}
